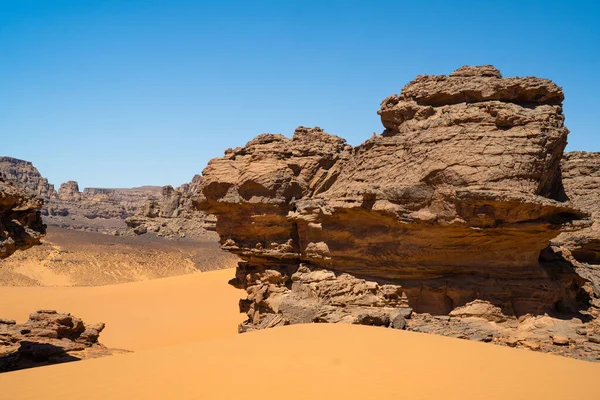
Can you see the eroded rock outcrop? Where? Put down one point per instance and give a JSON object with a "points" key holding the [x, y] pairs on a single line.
{"points": [[20, 220], [454, 202], [173, 215], [581, 177], [69, 191], [581, 248], [24, 174], [48, 337]]}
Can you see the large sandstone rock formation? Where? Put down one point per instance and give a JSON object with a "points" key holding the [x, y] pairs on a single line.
{"points": [[454, 202], [20, 221]]}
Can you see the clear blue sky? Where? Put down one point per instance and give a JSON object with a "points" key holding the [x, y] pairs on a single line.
{"points": [[126, 93]]}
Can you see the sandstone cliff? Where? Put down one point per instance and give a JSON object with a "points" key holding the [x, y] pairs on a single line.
{"points": [[173, 214], [24, 174], [92, 203], [102, 203], [454, 202]]}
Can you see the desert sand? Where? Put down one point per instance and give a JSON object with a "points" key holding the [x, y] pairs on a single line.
{"points": [[140, 315], [182, 331], [75, 258]]}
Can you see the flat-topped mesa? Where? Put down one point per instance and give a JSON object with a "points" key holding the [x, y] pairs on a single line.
{"points": [[453, 202], [21, 225]]}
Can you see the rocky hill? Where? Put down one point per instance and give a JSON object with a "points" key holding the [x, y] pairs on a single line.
{"points": [[442, 223]]}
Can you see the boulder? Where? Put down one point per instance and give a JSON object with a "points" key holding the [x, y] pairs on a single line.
{"points": [[48, 337]]}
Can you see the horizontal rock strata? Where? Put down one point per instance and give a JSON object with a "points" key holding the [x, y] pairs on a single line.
{"points": [[454, 202], [172, 215], [24, 174]]}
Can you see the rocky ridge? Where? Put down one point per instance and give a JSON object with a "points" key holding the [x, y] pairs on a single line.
{"points": [[163, 211], [453, 206], [94, 209], [95, 203]]}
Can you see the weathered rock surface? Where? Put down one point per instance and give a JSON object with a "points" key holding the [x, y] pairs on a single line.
{"points": [[95, 203], [48, 337], [453, 203], [70, 208], [173, 215], [69, 191], [580, 249], [165, 211], [24, 174], [20, 221], [581, 177]]}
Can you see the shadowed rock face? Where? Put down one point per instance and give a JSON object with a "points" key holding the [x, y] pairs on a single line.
{"points": [[453, 202], [581, 248], [20, 222]]}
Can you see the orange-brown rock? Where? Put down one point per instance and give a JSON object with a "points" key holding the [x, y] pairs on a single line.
{"points": [[24, 174], [453, 202], [173, 215], [21, 224], [581, 177], [69, 191], [580, 249], [48, 337]]}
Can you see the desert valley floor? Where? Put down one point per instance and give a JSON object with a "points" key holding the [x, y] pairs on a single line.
{"points": [[181, 343]]}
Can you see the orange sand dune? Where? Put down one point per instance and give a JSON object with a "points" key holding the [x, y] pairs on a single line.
{"points": [[140, 315], [183, 332], [315, 362]]}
